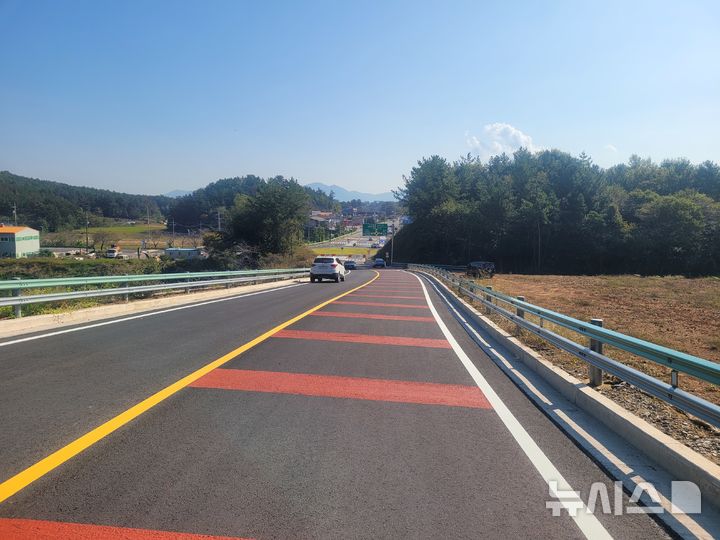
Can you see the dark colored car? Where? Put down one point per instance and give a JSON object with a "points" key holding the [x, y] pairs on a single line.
{"points": [[350, 265], [379, 263], [481, 269]]}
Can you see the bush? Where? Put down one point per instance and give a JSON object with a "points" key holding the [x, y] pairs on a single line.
{"points": [[302, 257], [44, 267]]}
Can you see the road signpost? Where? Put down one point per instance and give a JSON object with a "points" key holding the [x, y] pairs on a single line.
{"points": [[375, 229]]}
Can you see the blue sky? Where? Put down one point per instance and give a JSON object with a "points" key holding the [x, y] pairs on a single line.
{"points": [[148, 97]]}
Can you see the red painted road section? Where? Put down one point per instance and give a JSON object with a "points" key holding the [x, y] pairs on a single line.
{"points": [[30, 529], [393, 290], [364, 338], [403, 284], [380, 304], [451, 395], [388, 296], [383, 285], [378, 316]]}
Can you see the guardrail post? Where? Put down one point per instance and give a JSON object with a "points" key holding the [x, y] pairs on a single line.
{"points": [[674, 378], [595, 374], [187, 289], [488, 298], [17, 308], [520, 313]]}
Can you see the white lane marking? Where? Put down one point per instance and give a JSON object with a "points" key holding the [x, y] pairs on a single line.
{"points": [[588, 524], [626, 473], [142, 316]]}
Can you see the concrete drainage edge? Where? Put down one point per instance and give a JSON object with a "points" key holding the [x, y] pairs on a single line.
{"points": [[682, 462]]}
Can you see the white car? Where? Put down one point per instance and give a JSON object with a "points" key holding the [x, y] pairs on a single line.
{"points": [[328, 268]]}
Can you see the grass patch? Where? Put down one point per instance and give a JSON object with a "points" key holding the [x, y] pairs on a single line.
{"points": [[129, 237], [127, 231], [673, 311]]}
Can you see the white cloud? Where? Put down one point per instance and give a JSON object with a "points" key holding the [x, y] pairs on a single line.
{"points": [[498, 138], [611, 148]]}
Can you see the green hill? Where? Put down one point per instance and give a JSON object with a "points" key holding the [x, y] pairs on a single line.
{"points": [[53, 206]]}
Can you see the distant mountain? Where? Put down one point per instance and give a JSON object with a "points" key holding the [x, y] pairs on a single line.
{"points": [[175, 193], [342, 194]]}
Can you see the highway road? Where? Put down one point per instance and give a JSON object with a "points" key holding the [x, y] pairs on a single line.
{"points": [[352, 410], [356, 239]]}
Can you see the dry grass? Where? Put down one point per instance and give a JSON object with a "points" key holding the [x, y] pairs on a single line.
{"points": [[130, 237], [674, 311]]}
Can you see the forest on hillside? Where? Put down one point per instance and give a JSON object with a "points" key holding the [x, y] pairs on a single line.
{"points": [[264, 227], [53, 206], [200, 208], [550, 212]]}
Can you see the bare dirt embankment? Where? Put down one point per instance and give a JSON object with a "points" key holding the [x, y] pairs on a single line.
{"points": [[677, 312]]}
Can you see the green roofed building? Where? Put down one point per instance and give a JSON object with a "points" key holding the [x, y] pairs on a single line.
{"points": [[17, 242]]}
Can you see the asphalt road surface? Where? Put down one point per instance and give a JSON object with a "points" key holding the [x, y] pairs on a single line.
{"points": [[261, 416]]}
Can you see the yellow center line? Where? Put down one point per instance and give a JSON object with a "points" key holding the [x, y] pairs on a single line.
{"points": [[26, 477]]}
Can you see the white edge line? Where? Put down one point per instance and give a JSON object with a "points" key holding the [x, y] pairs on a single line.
{"points": [[143, 315], [575, 431], [588, 524]]}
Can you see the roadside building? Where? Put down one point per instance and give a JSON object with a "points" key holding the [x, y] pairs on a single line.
{"points": [[17, 242], [314, 222]]}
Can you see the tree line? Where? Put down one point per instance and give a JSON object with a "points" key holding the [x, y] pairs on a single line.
{"points": [[264, 227], [200, 209], [550, 212], [53, 206]]}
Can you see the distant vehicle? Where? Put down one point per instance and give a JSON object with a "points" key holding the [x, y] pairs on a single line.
{"points": [[114, 252], [350, 265], [480, 269], [328, 268], [375, 245], [379, 263]]}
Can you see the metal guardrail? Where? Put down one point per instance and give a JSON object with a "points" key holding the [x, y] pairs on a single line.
{"points": [[451, 267], [189, 280], [597, 362]]}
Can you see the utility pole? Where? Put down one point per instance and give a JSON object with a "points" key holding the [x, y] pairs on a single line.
{"points": [[15, 213], [147, 240], [87, 237], [219, 224], [173, 228]]}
